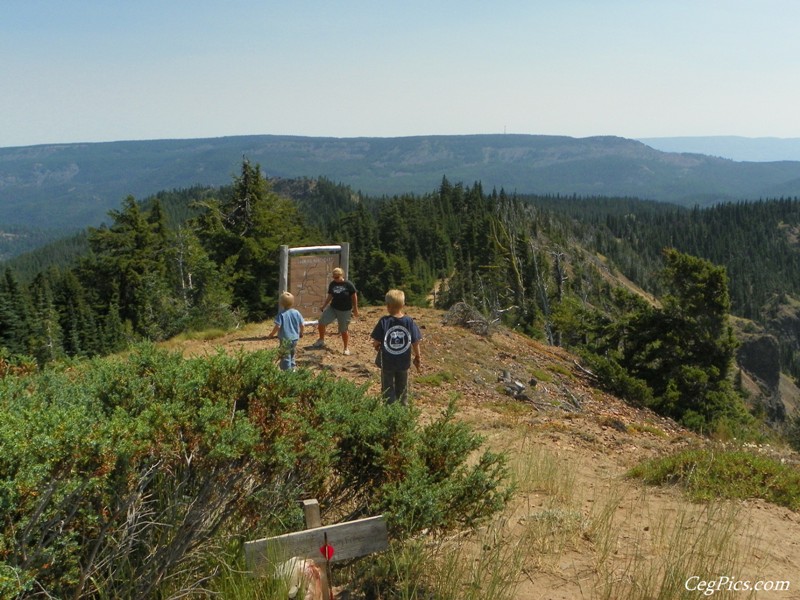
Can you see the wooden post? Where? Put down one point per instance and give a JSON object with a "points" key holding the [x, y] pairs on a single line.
{"points": [[344, 258], [311, 514], [322, 544], [283, 281]]}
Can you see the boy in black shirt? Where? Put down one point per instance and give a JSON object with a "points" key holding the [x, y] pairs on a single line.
{"points": [[396, 337]]}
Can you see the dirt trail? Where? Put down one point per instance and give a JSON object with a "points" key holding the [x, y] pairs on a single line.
{"points": [[592, 437]]}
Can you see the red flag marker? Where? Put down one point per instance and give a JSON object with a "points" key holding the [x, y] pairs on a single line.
{"points": [[327, 551]]}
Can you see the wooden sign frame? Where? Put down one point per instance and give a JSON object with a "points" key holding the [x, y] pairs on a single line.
{"points": [[306, 272], [349, 540]]}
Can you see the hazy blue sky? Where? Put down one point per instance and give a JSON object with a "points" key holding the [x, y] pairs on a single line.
{"points": [[86, 70]]}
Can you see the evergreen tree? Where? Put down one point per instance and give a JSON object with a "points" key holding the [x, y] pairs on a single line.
{"points": [[113, 332], [80, 335], [129, 262], [204, 298], [359, 228], [243, 232], [15, 315], [46, 339], [684, 350], [698, 341]]}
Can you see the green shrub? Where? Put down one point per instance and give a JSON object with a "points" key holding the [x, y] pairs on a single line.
{"points": [[126, 477], [13, 584], [615, 379], [709, 474], [441, 491], [435, 379]]}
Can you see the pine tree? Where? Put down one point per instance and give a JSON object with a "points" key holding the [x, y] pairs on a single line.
{"points": [[15, 315], [684, 351], [129, 261], [80, 336], [359, 228], [196, 280], [242, 234], [113, 332], [46, 339]]}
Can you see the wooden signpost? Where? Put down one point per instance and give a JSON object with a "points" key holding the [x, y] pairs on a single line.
{"points": [[322, 544], [306, 273], [348, 540]]}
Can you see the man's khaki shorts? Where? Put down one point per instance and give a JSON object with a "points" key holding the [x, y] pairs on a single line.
{"points": [[343, 317]]}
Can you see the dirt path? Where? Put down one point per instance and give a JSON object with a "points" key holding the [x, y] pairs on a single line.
{"points": [[609, 530]]}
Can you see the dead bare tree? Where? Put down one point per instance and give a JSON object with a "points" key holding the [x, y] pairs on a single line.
{"points": [[506, 243], [559, 273], [561, 277], [540, 275]]}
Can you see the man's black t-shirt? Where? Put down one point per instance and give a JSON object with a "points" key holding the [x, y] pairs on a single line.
{"points": [[342, 292]]}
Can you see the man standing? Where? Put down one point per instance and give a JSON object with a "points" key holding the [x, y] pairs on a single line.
{"points": [[340, 305]]}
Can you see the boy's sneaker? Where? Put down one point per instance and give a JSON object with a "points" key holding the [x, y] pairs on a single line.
{"points": [[318, 344], [346, 352]]}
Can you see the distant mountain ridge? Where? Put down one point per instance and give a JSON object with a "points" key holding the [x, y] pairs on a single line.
{"points": [[74, 185]]}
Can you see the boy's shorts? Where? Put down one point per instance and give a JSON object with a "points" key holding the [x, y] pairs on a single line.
{"points": [[330, 314]]}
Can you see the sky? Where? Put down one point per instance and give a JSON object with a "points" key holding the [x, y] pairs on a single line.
{"points": [[110, 70]]}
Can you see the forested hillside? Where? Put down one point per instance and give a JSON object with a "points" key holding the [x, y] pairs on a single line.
{"points": [[75, 185], [756, 242], [15, 240], [207, 257]]}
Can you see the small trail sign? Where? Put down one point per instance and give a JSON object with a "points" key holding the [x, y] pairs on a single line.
{"points": [[344, 541]]}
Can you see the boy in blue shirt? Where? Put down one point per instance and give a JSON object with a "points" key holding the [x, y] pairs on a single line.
{"points": [[396, 337], [289, 328]]}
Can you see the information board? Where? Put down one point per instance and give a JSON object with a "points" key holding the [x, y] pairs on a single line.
{"points": [[309, 276], [306, 273]]}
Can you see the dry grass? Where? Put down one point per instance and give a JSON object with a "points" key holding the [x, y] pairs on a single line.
{"points": [[550, 526]]}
